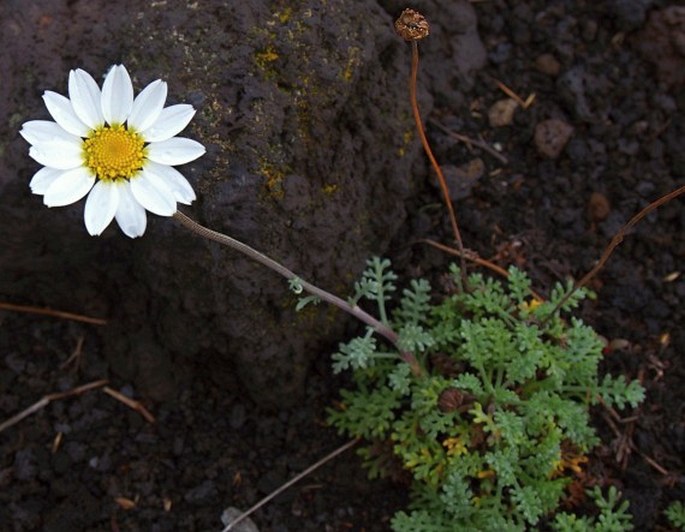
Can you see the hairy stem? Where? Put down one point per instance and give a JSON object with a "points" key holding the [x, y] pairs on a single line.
{"points": [[225, 240]]}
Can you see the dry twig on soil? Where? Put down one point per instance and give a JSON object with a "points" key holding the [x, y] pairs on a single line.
{"points": [[618, 238], [478, 143], [292, 481], [131, 403], [48, 399], [50, 312]]}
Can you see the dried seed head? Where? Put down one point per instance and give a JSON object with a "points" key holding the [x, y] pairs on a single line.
{"points": [[450, 399], [412, 25]]}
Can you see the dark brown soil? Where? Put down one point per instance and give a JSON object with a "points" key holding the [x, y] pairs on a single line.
{"points": [[611, 71]]}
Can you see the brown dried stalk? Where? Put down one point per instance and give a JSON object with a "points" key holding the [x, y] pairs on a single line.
{"points": [[618, 238], [50, 312], [412, 26], [42, 403], [292, 481]]}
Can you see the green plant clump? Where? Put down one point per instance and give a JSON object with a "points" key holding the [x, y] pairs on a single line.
{"points": [[676, 514], [494, 417], [613, 517]]}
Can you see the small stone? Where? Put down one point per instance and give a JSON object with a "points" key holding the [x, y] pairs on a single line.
{"points": [[619, 344], [501, 53], [202, 493], [461, 179], [501, 113], [548, 64], [246, 525], [598, 208], [551, 137]]}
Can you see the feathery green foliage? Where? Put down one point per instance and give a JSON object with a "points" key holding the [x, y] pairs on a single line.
{"points": [[499, 413], [676, 514], [613, 517]]}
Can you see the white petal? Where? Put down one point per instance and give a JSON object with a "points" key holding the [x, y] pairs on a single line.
{"points": [[37, 131], [86, 98], [130, 215], [156, 199], [174, 181], [43, 178], [58, 153], [69, 187], [62, 111], [158, 180], [147, 106], [176, 150], [101, 205], [117, 95], [171, 121]]}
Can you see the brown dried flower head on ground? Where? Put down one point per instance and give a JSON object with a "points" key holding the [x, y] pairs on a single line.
{"points": [[412, 25]]}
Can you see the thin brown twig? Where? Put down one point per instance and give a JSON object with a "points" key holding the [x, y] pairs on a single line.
{"points": [[661, 469], [75, 357], [617, 239], [479, 143], [42, 403], [626, 442], [472, 256], [525, 104], [467, 254], [131, 403], [429, 152], [50, 312], [292, 481]]}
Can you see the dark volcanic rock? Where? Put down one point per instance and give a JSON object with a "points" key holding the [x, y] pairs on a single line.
{"points": [[305, 116]]}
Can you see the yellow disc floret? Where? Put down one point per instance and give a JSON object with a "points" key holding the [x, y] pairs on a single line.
{"points": [[114, 152]]}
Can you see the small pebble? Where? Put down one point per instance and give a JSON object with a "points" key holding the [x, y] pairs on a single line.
{"points": [[461, 179], [598, 208], [501, 113], [548, 64], [551, 137], [202, 493], [246, 525]]}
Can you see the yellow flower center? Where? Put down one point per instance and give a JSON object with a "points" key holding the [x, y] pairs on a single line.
{"points": [[114, 152]]}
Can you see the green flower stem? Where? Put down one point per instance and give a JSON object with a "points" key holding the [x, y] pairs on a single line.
{"points": [[225, 240]]}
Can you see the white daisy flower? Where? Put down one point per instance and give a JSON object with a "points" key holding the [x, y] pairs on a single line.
{"points": [[118, 150]]}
